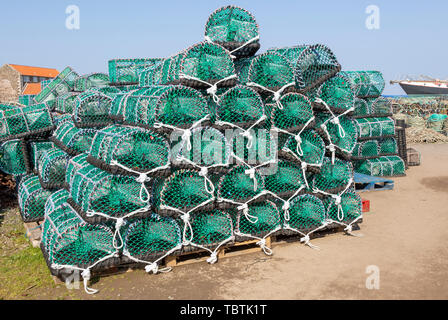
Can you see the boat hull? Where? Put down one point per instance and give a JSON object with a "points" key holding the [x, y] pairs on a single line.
{"points": [[420, 89]]}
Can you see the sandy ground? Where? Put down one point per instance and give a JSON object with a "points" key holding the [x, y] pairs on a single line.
{"points": [[405, 236]]}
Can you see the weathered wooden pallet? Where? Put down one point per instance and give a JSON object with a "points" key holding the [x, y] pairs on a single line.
{"points": [[33, 231]]}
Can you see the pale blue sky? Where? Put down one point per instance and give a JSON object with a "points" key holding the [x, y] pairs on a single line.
{"points": [[412, 38]]}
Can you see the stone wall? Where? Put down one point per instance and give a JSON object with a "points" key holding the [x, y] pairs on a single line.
{"points": [[10, 87]]}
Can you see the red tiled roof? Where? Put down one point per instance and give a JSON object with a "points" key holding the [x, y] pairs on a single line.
{"points": [[35, 71], [32, 88]]}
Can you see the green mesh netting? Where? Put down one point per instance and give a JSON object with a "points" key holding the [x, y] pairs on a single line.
{"points": [[209, 230], [292, 113], [36, 150], [207, 149], [242, 67], [66, 103], [92, 109], [32, 198], [60, 118], [345, 210], [255, 147], [151, 239], [240, 185], [235, 29], [313, 64], [388, 146], [240, 107], [57, 199], [131, 150], [73, 165], [305, 215], [380, 107], [340, 132], [262, 220], [27, 99], [170, 106], [23, 121], [384, 166], [98, 194], [362, 108], [204, 65], [308, 151], [333, 177], [51, 168], [152, 75], [184, 191], [285, 179], [366, 84], [63, 83], [71, 139], [336, 94], [125, 71], [366, 149], [375, 127], [13, 159], [69, 242], [93, 80]]}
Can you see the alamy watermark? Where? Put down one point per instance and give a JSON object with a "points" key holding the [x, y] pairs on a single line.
{"points": [[373, 18], [373, 279], [72, 21]]}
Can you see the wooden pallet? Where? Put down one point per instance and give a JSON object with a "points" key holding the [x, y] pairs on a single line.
{"points": [[33, 231], [233, 250]]}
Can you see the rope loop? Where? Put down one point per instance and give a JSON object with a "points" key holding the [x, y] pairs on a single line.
{"points": [[213, 258]]}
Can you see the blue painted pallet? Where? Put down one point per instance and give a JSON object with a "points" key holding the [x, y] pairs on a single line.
{"points": [[365, 182]]}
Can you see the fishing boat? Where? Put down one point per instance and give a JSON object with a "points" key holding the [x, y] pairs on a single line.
{"points": [[425, 86]]}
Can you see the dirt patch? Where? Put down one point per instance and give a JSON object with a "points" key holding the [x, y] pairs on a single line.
{"points": [[8, 197], [439, 184]]}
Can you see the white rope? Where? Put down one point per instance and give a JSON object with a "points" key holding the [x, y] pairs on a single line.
{"points": [[213, 88], [244, 132], [277, 94], [153, 266], [208, 39]]}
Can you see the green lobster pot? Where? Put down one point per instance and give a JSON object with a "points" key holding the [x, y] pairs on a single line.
{"points": [[93, 80], [369, 128], [92, 109], [68, 241], [63, 83], [239, 106], [388, 146], [293, 112], [333, 177], [238, 186], [183, 191], [380, 107], [32, 198], [362, 108], [313, 64], [285, 179], [126, 71], [13, 157], [387, 166], [306, 213], [258, 148], [129, 150], [309, 150], [98, 195], [151, 238], [36, 150], [27, 99], [71, 139], [66, 103], [366, 149], [337, 94], [209, 229], [200, 66], [18, 122], [57, 199], [366, 84], [73, 165], [207, 148], [51, 168], [235, 29], [349, 209], [262, 219]]}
